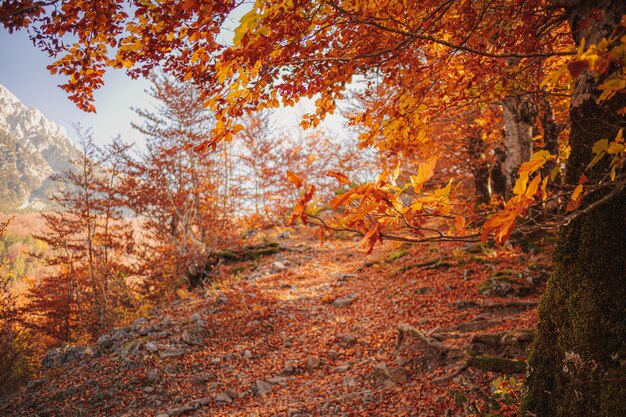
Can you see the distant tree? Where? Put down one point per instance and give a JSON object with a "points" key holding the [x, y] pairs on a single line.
{"points": [[89, 240], [183, 197]]}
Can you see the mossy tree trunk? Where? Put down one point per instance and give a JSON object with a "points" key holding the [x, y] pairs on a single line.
{"points": [[577, 365]]}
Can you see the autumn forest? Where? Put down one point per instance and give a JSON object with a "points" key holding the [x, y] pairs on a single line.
{"points": [[456, 248]]}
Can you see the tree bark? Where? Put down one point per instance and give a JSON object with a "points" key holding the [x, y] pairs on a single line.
{"points": [[519, 115], [577, 365]]}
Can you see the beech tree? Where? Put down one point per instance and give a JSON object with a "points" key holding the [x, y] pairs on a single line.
{"points": [[433, 58], [85, 288]]}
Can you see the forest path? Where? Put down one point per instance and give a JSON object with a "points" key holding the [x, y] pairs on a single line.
{"points": [[310, 331]]}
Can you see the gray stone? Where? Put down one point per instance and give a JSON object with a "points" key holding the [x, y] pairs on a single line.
{"points": [[383, 373], [223, 398], [260, 388], [346, 340], [171, 353], [288, 371], [148, 390], [151, 347], [153, 375], [312, 363]]}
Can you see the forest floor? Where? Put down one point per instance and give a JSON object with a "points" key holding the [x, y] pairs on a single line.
{"points": [[310, 331]]}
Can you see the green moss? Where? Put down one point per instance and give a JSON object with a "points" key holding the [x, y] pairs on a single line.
{"points": [[395, 255]]}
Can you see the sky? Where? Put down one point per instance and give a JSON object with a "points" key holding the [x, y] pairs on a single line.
{"points": [[23, 72]]}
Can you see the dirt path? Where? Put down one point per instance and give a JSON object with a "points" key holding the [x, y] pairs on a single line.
{"points": [[310, 331]]}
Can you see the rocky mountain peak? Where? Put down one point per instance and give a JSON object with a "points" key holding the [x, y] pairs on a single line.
{"points": [[32, 149]]}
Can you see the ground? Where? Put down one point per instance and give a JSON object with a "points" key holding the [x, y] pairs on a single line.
{"points": [[310, 331]]}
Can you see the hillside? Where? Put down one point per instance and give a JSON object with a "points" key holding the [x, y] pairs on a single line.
{"points": [[311, 331], [32, 149]]}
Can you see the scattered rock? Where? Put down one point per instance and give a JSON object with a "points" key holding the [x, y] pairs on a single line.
{"points": [[193, 337], [148, 390], [58, 357], [344, 302], [151, 347], [346, 340], [170, 353], [195, 317], [279, 266], [260, 388], [312, 363], [288, 370], [153, 375], [383, 373], [278, 380], [349, 382], [180, 410], [342, 368], [223, 398]]}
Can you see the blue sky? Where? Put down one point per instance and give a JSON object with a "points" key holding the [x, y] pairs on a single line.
{"points": [[23, 71]]}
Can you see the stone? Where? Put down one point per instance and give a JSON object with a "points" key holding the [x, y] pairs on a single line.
{"points": [[346, 340], [279, 266], [342, 368], [278, 380], [151, 347], [179, 411], [153, 375], [383, 373], [344, 302], [195, 317], [148, 390], [171, 353], [349, 382], [312, 363], [261, 388], [193, 338], [288, 370], [223, 398], [105, 341]]}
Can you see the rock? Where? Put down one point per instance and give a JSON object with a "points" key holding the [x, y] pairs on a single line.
{"points": [[199, 402], [344, 302], [279, 266], [223, 398], [139, 323], [346, 340], [278, 380], [342, 368], [151, 347], [195, 317], [221, 299], [312, 363], [105, 341], [58, 357], [368, 397], [162, 415], [153, 375], [288, 370], [193, 338], [180, 410], [349, 382], [231, 393], [171, 353], [383, 373], [148, 390], [260, 388]]}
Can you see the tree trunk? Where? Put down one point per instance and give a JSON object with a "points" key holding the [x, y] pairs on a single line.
{"points": [[479, 167], [519, 117], [577, 365]]}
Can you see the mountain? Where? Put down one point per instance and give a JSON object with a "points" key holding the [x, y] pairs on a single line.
{"points": [[32, 149]]}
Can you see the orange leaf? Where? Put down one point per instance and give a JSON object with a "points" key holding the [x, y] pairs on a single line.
{"points": [[342, 178], [294, 179]]}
